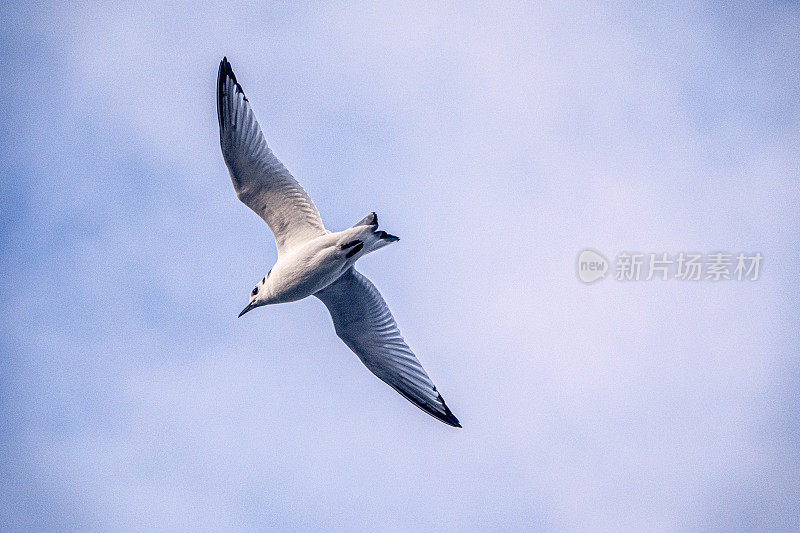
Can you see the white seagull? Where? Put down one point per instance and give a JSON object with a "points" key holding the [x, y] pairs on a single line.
{"points": [[313, 260]]}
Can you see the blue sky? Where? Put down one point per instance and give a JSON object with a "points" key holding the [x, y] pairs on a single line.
{"points": [[497, 143]]}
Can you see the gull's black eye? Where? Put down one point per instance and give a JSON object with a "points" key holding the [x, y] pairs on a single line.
{"points": [[255, 291]]}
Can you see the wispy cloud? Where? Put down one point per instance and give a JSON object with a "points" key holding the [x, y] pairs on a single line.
{"points": [[497, 143]]}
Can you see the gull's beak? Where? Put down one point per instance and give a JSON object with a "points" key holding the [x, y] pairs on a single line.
{"points": [[246, 309]]}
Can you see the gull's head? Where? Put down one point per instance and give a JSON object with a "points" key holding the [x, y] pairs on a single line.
{"points": [[258, 296]]}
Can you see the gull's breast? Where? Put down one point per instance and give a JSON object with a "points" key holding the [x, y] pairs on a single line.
{"points": [[306, 270]]}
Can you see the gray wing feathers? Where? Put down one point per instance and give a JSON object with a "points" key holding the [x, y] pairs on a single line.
{"points": [[363, 321], [260, 179]]}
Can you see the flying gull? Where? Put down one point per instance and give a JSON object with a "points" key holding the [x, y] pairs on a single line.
{"points": [[313, 260]]}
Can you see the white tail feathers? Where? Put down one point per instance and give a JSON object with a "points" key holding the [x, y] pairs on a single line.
{"points": [[368, 238], [369, 220]]}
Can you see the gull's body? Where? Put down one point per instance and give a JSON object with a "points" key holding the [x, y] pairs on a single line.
{"points": [[311, 266], [315, 261]]}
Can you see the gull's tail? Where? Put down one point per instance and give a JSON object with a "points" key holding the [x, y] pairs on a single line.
{"points": [[369, 237]]}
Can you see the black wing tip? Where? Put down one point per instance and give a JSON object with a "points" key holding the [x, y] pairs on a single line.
{"points": [[225, 73], [443, 413], [448, 417], [226, 70]]}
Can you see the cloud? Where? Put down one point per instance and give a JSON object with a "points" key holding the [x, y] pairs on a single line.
{"points": [[497, 143]]}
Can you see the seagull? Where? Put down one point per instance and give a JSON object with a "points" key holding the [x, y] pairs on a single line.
{"points": [[315, 261]]}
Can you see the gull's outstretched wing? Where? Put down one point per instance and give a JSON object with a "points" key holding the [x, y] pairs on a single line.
{"points": [[363, 321], [260, 180]]}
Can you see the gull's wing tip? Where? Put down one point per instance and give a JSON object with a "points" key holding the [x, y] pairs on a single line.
{"points": [[440, 412], [443, 413], [448, 417], [226, 70], [225, 73]]}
